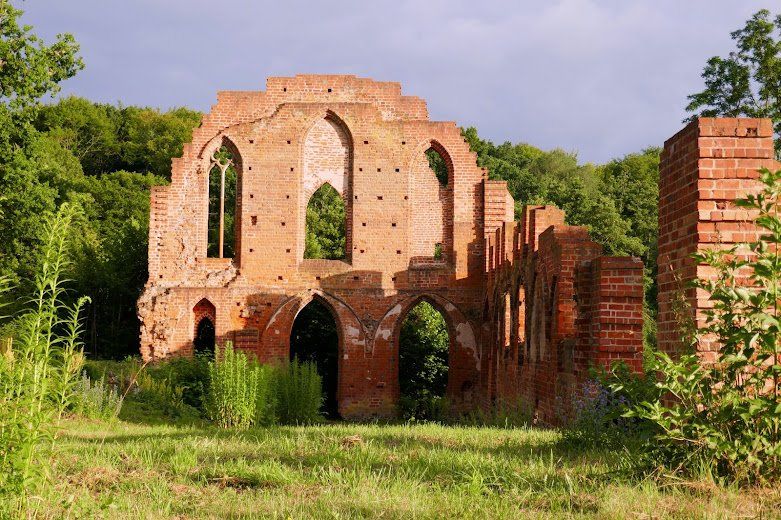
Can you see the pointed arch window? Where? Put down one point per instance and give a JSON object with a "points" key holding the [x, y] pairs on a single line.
{"points": [[223, 219]]}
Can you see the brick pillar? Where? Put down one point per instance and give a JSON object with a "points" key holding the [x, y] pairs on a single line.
{"points": [[617, 307], [703, 169]]}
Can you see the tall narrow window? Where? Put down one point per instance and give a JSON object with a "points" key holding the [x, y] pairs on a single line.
{"points": [[223, 182], [326, 191], [325, 225], [431, 203]]}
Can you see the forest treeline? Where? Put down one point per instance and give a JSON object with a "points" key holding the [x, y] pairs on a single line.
{"points": [[104, 158]]}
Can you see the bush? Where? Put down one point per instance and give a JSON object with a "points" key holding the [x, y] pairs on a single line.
{"points": [[725, 415], [190, 374], [598, 409], [96, 399], [159, 392], [299, 391]]}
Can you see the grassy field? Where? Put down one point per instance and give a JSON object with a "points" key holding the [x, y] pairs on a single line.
{"points": [[127, 469]]}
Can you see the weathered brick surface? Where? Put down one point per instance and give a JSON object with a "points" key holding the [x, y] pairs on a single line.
{"points": [[703, 169], [494, 281], [556, 308]]}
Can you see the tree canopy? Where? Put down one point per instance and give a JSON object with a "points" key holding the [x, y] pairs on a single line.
{"points": [[747, 82]]}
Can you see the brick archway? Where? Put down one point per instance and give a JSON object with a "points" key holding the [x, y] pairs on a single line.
{"points": [[275, 340], [463, 357]]}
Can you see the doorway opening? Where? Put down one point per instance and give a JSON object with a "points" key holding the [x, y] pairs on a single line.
{"points": [[315, 338]]}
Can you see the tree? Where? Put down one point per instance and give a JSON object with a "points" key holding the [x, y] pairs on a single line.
{"points": [[90, 131], [748, 81], [151, 138], [29, 70]]}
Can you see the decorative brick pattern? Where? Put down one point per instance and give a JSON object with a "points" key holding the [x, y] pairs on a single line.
{"points": [[369, 142]]}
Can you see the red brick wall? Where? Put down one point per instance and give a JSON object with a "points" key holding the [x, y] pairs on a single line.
{"points": [[368, 141], [703, 169], [572, 309]]}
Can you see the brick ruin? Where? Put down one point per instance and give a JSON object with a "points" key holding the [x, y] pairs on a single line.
{"points": [[530, 305], [703, 169]]}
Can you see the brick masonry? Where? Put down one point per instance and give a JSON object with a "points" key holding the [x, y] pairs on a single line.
{"points": [[495, 280], [703, 169]]}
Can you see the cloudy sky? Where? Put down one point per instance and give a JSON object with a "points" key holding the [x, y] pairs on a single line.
{"points": [[599, 77]]}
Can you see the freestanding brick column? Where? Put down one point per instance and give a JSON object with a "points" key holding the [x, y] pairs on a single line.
{"points": [[703, 169]]}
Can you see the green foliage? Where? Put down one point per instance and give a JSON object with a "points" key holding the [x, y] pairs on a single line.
{"points": [[748, 81], [152, 138], [233, 386], [107, 138], [299, 392], [325, 221], [438, 165], [30, 70], [423, 363], [725, 414], [161, 393], [191, 374], [95, 399], [597, 412], [38, 373]]}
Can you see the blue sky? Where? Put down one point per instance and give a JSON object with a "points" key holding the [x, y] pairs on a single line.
{"points": [[599, 77]]}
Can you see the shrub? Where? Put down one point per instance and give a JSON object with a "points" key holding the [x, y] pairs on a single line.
{"points": [[266, 400], [299, 391], [598, 409], [191, 374], [725, 415], [160, 393], [96, 399], [233, 389]]}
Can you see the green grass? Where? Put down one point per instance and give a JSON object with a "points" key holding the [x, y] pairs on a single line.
{"points": [[126, 469]]}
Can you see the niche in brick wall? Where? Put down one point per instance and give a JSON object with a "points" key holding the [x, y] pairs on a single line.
{"points": [[326, 200], [538, 339], [519, 326], [204, 317]]}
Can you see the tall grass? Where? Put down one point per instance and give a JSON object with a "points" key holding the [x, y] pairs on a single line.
{"points": [[243, 392], [299, 393], [38, 372], [233, 389]]}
